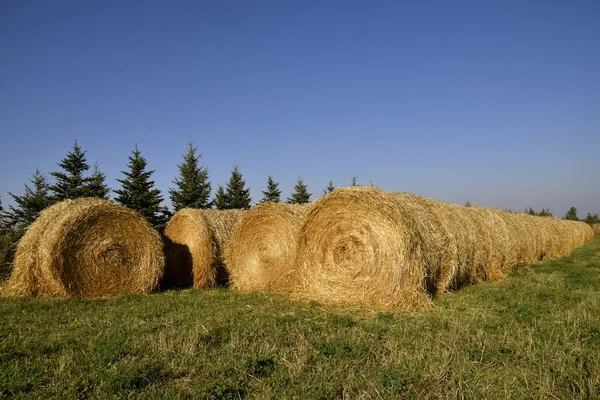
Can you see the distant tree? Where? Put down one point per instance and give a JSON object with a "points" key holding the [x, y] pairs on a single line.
{"points": [[71, 183], [300, 194], [544, 213], [468, 203], [97, 184], [572, 214], [530, 211], [273, 193], [237, 195], [330, 188], [8, 243], [28, 206], [220, 201], [138, 192], [192, 187], [592, 219], [354, 180]]}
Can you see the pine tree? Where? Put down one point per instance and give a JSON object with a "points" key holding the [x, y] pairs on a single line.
{"points": [[273, 193], [28, 206], [221, 202], [138, 193], [97, 186], [71, 184], [592, 218], [2, 217], [237, 196], [330, 188], [192, 188], [572, 214], [301, 194]]}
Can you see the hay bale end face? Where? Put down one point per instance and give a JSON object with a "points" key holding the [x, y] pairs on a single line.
{"points": [[194, 242], [358, 246], [87, 248], [260, 255]]}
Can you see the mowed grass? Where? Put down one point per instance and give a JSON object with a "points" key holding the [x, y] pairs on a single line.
{"points": [[533, 335]]}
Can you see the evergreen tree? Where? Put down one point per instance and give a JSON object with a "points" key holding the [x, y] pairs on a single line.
{"points": [[544, 213], [97, 186], [237, 196], [330, 188], [272, 194], [138, 192], [2, 217], [221, 202], [572, 214], [192, 188], [592, 219], [28, 206], [71, 183], [301, 194]]}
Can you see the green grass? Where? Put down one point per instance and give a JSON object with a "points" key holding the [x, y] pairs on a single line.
{"points": [[533, 335]]}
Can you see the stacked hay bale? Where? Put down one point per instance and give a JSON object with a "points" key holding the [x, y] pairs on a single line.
{"points": [[194, 244], [86, 248], [363, 245], [260, 255]]}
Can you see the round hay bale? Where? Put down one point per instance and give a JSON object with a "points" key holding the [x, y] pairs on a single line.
{"points": [[467, 240], [359, 245], [497, 231], [194, 243], [519, 250], [440, 253], [596, 229], [90, 248], [484, 266], [26, 275], [260, 255]]}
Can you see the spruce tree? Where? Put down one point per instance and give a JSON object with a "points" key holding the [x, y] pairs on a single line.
{"points": [[220, 202], [138, 192], [330, 188], [97, 186], [592, 218], [572, 214], [301, 194], [192, 187], [237, 196], [71, 183], [28, 206], [272, 194]]}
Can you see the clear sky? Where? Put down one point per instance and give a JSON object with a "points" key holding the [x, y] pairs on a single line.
{"points": [[495, 102]]}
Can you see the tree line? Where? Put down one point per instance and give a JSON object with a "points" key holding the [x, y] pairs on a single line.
{"points": [[191, 188]]}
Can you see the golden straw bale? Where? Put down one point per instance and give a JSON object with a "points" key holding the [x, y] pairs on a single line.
{"points": [[89, 248], [520, 245], [596, 228], [194, 243], [435, 220], [260, 255], [360, 245], [486, 264], [499, 259], [26, 275]]}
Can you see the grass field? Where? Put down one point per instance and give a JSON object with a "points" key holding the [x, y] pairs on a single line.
{"points": [[534, 335]]}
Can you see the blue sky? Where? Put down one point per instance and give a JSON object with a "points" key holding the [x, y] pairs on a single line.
{"points": [[495, 102]]}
